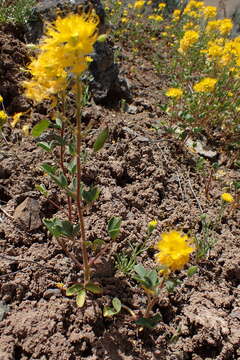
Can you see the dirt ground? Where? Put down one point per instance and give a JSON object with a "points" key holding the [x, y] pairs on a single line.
{"points": [[143, 175]]}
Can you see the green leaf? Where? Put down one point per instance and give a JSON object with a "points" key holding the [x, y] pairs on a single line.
{"points": [[58, 123], [108, 311], [58, 227], [95, 289], [60, 180], [72, 149], [39, 128], [42, 189], [117, 304], [150, 322], [139, 269], [153, 276], [101, 139], [114, 227], [72, 166], [81, 297], [50, 170], [59, 140], [90, 195], [97, 244], [192, 270], [45, 146], [74, 289]]}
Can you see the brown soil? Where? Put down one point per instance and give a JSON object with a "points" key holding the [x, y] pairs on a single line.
{"points": [[143, 176]]}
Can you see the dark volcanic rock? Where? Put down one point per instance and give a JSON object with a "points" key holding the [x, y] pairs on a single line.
{"points": [[106, 85]]}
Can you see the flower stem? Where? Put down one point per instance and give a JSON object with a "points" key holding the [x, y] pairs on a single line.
{"points": [[86, 267]]}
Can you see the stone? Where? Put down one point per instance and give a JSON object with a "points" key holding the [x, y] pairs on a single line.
{"points": [[28, 214], [106, 85]]}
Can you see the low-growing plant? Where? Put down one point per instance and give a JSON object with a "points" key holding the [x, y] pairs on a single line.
{"points": [[63, 57]]}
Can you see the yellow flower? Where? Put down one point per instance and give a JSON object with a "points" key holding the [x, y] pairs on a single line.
{"points": [[161, 5], [189, 38], [1, 99], [223, 26], [155, 17], [230, 94], [138, 4], [209, 11], [176, 15], [174, 93], [3, 118], [151, 226], [64, 50], [124, 20], [16, 119], [205, 85], [227, 197], [174, 250]]}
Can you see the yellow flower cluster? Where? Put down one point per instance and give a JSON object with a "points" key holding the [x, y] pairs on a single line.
{"points": [[155, 17], [174, 250], [176, 15], [174, 93], [227, 197], [190, 37], [3, 118], [139, 4], [224, 26], [205, 85], [64, 50]]}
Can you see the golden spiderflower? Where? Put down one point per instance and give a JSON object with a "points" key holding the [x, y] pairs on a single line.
{"points": [[174, 93], [205, 85], [174, 250], [227, 197]]}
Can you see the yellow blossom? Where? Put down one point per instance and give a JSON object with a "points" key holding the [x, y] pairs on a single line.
{"points": [[176, 15], [209, 11], [230, 94], [124, 20], [1, 99], [161, 5], [223, 26], [138, 4], [63, 50], [190, 37], [227, 197], [205, 85], [174, 93], [174, 250], [155, 17], [16, 119], [3, 118]]}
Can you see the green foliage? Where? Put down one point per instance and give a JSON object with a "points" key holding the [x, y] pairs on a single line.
{"points": [[149, 322], [149, 279], [16, 11], [204, 241], [101, 139], [111, 311], [125, 263], [114, 227], [59, 227], [39, 128]]}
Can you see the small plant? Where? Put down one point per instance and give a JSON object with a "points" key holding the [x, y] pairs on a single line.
{"points": [[174, 249], [63, 57], [124, 262]]}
